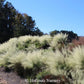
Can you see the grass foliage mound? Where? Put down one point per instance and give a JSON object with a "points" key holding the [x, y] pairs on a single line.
{"points": [[36, 57]]}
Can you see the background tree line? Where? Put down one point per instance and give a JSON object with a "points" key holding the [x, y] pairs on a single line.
{"points": [[71, 34], [15, 24]]}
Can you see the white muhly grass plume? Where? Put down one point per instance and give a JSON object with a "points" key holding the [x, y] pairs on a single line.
{"points": [[35, 38], [10, 53], [56, 62], [7, 46], [31, 48], [3, 48], [17, 57], [31, 59], [47, 38], [4, 58], [76, 59], [53, 63], [78, 77], [24, 38], [57, 38]]}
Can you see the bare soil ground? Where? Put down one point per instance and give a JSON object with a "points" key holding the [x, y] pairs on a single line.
{"points": [[79, 42], [10, 78], [76, 43]]}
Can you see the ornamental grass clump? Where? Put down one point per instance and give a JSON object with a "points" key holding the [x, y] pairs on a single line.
{"points": [[35, 54], [32, 58], [59, 41], [76, 61], [43, 42], [57, 63], [31, 63], [77, 57]]}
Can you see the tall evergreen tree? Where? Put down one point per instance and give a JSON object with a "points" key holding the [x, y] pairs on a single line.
{"points": [[23, 25], [13, 23], [7, 14]]}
